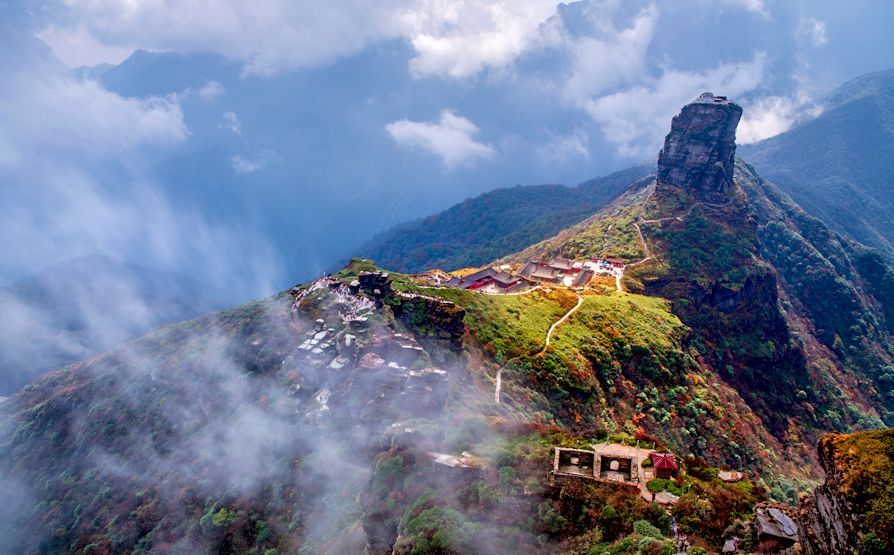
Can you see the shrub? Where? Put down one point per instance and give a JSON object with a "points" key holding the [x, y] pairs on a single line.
{"points": [[436, 530], [644, 528], [656, 485], [549, 520]]}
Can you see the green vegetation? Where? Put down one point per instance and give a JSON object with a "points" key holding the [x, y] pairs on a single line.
{"points": [[493, 225], [435, 530], [512, 325], [837, 166]]}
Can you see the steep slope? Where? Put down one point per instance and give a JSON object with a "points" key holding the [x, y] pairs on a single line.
{"points": [[853, 510], [254, 429], [494, 224], [84, 306], [791, 317], [837, 166], [378, 413]]}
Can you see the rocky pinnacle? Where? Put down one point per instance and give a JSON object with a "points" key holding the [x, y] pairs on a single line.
{"points": [[699, 150]]}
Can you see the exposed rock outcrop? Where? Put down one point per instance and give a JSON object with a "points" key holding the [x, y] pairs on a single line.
{"points": [[432, 318], [834, 519], [699, 151]]}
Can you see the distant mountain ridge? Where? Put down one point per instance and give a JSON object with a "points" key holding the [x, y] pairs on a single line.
{"points": [[838, 165], [494, 224]]}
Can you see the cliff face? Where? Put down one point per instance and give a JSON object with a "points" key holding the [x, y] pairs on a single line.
{"points": [[851, 511], [699, 151], [828, 519]]}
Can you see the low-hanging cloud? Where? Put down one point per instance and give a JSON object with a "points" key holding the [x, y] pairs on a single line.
{"points": [[451, 138], [75, 182], [635, 119], [46, 113], [772, 115]]}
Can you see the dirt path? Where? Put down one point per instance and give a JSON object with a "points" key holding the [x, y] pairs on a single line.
{"points": [[642, 240], [645, 247], [552, 328]]}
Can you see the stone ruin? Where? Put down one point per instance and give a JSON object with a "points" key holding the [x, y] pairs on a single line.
{"points": [[590, 465], [354, 370]]}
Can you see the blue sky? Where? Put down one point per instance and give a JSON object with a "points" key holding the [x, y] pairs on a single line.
{"points": [[256, 142]]}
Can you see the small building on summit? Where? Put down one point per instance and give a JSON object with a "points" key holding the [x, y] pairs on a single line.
{"points": [[618, 468], [605, 463], [665, 465]]}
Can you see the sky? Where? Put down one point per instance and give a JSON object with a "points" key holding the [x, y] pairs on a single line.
{"points": [[256, 143]]}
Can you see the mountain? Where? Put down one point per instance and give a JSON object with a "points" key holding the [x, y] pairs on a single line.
{"points": [[376, 412], [794, 318], [84, 306], [837, 166], [494, 224]]}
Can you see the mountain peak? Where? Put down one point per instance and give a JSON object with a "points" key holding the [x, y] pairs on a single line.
{"points": [[699, 151]]}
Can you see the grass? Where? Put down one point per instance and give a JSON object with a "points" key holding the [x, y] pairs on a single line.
{"points": [[635, 318], [512, 325]]}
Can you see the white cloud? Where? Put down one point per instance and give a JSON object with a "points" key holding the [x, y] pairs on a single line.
{"points": [[229, 121], [76, 46], [454, 38], [814, 30], [765, 118], [72, 181], [636, 119], [770, 116], [451, 138], [245, 165], [458, 38], [562, 148], [267, 36], [758, 7], [210, 90], [618, 58], [46, 113]]}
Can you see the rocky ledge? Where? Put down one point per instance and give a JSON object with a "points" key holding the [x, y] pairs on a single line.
{"points": [[851, 511], [699, 151]]}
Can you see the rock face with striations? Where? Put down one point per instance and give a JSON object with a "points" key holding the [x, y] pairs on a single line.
{"points": [[699, 151], [851, 511]]}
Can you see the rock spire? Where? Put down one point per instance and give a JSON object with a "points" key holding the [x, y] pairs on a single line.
{"points": [[699, 151]]}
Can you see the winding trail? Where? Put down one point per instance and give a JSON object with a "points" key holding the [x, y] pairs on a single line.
{"points": [[552, 328], [646, 251]]}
